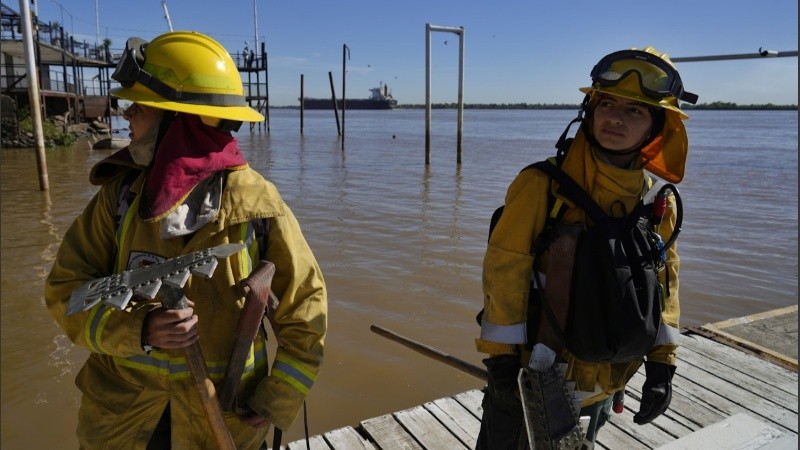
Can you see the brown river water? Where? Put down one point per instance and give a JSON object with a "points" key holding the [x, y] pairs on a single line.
{"points": [[401, 244]]}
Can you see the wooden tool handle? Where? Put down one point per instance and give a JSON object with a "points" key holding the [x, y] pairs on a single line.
{"points": [[208, 397], [173, 298], [451, 361]]}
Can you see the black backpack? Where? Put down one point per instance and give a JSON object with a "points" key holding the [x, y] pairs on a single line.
{"points": [[616, 297]]}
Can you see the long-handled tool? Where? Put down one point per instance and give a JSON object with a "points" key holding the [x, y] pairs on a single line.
{"points": [[451, 361], [167, 280], [173, 298], [549, 408]]}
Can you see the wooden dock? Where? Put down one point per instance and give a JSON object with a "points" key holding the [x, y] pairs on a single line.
{"points": [[734, 385]]}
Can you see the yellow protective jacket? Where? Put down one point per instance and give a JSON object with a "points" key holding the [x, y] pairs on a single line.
{"points": [[508, 264], [124, 389]]}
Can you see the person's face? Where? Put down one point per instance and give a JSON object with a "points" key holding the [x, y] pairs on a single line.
{"points": [[141, 120], [620, 123]]}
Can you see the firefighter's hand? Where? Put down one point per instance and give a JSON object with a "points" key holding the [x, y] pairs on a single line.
{"points": [[250, 417], [656, 391], [170, 328]]}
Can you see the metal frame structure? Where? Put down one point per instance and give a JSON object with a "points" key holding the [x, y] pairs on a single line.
{"points": [[460, 32]]}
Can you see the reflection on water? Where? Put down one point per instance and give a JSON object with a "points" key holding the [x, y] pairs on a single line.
{"points": [[401, 246]]}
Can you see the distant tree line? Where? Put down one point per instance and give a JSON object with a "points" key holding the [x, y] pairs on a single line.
{"points": [[685, 106], [495, 106], [732, 106], [568, 106]]}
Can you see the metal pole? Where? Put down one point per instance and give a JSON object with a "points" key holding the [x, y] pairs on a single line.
{"points": [[460, 32], [97, 22], [460, 94], [335, 106], [166, 14], [427, 94], [33, 95], [255, 24], [302, 102], [70, 104], [345, 57], [762, 53], [266, 81]]}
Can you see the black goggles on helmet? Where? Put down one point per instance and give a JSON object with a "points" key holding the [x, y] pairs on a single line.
{"points": [[657, 78], [130, 70]]}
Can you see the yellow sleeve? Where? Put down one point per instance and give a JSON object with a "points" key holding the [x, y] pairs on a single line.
{"points": [[88, 251], [302, 324], [508, 262], [666, 347]]}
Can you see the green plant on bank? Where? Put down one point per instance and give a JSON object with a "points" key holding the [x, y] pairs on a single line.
{"points": [[54, 135]]}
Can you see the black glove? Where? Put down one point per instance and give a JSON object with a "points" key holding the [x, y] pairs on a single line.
{"points": [[656, 391]]}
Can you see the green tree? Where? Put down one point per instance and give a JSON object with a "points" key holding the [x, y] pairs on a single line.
{"points": [[107, 48]]}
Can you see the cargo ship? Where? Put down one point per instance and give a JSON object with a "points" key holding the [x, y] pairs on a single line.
{"points": [[381, 98]]}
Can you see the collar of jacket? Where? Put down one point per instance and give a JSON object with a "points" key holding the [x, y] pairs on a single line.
{"points": [[603, 181]]}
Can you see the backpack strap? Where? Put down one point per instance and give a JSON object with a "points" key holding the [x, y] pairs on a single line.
{"points": [[261, 228], [569, 188], [537, 304]]}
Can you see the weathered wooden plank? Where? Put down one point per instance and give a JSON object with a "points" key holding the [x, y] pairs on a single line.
{"points": [[656, 433], [613, 437], [457, 419], [745, 381], [713, 383], [388, 434], [682, 408], [665, 428], [428, 431], [729, 398], [741, 362], [739, 431], [346, 439], [315, 442], [758, 331], [471, 400]]}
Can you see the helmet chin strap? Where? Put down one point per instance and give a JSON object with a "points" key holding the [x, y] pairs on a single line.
{"points": [[562, 143]]}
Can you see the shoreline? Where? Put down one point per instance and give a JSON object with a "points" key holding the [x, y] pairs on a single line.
{"points": [[714, 106]]}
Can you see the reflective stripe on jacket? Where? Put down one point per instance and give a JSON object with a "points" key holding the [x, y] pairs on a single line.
{"points": [[125, 390]]}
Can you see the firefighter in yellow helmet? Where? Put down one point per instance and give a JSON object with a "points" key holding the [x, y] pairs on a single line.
{"points": [[181, 186], [633, 122]]}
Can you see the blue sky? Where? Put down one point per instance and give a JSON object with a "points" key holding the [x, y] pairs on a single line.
{"points": [[515, 51]]}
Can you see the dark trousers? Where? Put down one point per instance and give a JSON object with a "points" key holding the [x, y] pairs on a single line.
{"points": [[503, 427], [160, 440]]}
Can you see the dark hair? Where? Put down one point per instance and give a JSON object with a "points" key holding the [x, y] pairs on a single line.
{"points": [[659, 116]]}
